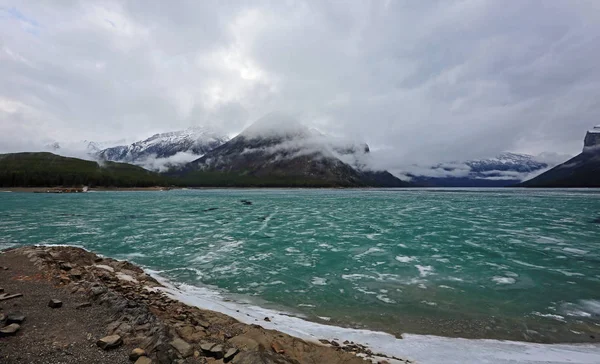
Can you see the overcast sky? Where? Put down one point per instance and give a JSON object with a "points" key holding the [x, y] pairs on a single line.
{"points": [[426, 80]]}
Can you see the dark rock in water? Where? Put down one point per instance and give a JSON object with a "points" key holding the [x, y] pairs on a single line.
{"points": [[230, 354], [595, 221], [211, 209], [267, 319], [110, 342], [246, 202], [54, 303], [15, 318], [9, 330]]}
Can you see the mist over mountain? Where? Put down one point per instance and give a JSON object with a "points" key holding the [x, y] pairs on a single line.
{"points": [[506, 169], [279, 146], [165, 150]]}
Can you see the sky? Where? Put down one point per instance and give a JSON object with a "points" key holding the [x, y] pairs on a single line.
{"points": [[419, 81]]}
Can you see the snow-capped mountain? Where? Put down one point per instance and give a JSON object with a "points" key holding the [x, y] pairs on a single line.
{"points": [[166, 148], [522, 163], [278, 150], [506, 169]]}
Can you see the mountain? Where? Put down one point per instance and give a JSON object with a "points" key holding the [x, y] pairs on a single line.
{"points": [[504, 170], [175, 147], [278, 151], [581, 171], [47, 170]]}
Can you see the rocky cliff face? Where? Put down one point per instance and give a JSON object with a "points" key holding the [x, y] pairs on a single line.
{"points": [[592, 139], [581, 171]]}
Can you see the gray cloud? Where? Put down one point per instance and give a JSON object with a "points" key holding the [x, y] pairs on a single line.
{"points": [[421, 82]]}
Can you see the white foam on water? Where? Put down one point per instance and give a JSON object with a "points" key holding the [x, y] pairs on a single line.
{"points": [[423, 349], [576, 251], [504, 280], [549, 315], [425, 270], [317, 281], [369, 251], [405, 259], [384, 298]]}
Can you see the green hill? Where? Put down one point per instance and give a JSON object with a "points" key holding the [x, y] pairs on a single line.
{"points": [[47, 169]]}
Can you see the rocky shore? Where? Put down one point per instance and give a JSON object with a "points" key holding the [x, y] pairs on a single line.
{"points": [[67, 305]]}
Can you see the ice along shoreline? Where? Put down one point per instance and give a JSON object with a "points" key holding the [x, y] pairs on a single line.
{"points": [[420, 348]]}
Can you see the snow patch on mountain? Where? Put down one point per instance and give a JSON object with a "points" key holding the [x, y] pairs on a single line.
{"points": [[165, 150], [505, 169]]}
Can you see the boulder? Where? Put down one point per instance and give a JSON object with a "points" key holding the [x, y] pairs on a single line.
{"points": [[9, 330], [54, 303], [110, 342], [277, 347], [216, 352], [207, 346], [143, 360], [263, 357], [244, 342], [15, 318], [1, 290], [185, 349], [230, 354], [136, 354], [65, 266], [75, 274]]}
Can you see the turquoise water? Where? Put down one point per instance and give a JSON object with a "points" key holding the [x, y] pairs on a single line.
{"points": [[509, 264]]}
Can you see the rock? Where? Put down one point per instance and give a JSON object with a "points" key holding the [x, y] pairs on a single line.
{"points": [[207, 346], [136, 354], [143, 360], [230, 354], [98, 290], [65, 266], [335, 343], [75, 274], [2, 317], [267, 319], [182, 347], [203, 324], [15, 318], [262, 357], [54, 303], [110, 342], [83, 305], [244, 342], [216, 352], [1, 290], [9, 330], [277, 347]]}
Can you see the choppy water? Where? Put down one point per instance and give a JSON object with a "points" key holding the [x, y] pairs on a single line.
{"points": [[510, 264]]}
